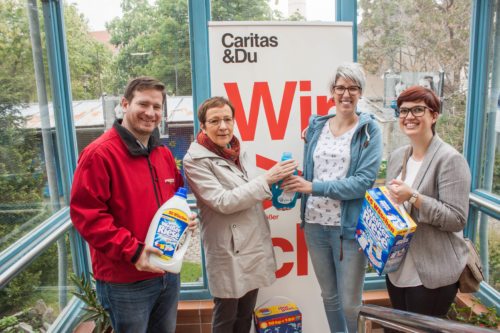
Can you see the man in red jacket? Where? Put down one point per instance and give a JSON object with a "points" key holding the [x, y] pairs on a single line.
{"points": [[122, 178]]}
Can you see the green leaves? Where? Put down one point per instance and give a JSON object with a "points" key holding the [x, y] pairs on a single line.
{"points": [[465, 314], [94, 310], [154, 39], [421, 36], [7, 322], [88, 58]]}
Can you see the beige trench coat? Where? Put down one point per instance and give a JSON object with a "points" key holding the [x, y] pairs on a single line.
{"points": [[234, 229]]}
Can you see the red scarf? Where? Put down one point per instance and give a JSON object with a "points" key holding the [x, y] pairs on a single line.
{"points": [[231, 152]]}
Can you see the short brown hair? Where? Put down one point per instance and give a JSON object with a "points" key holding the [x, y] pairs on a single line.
{"points": [[419, 93], [351, 71], [212, 102], [142, 83]]}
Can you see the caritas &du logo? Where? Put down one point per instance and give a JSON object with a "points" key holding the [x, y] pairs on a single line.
{"points": [[237, 47]]}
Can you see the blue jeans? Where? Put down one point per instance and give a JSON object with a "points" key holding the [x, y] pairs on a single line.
{"points": [[143, 306], [341, 282]]}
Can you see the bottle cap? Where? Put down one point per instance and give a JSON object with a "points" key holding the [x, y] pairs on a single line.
{"points": [[286, 156], [181, 192]]}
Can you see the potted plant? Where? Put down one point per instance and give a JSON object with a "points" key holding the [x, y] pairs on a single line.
{"points": [[93, 309], [466, 314]]}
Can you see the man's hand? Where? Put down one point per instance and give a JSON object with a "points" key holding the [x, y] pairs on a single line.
{"points": [[143, 264], [193, 222]]}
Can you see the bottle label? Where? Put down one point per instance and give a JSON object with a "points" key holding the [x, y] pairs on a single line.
{"points": [[286, 197], [171, 227]]}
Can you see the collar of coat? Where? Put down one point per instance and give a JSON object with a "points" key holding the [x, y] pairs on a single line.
{"points": [[198, 151], [433, 148], [316, 124], [134, 146]]}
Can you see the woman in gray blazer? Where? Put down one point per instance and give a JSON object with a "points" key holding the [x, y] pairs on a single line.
{"points": [[234, 228], [432, 180]]}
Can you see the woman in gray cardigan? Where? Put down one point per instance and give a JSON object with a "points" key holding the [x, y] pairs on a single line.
{"points": [[432, 180], [234, 228]]}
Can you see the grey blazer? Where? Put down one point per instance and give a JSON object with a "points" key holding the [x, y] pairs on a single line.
{"points": [[443, 182]]}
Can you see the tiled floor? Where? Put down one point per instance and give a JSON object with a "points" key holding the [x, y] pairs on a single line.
{"points": [[196, 316]]}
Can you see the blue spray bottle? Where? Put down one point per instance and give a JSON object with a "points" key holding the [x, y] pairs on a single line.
{"points": [[283, 200]]}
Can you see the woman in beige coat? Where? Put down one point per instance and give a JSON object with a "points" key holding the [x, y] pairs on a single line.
{"points": [[234, 228]]}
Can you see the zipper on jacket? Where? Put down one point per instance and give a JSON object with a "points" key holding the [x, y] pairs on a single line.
{"points": [[154, 180]]}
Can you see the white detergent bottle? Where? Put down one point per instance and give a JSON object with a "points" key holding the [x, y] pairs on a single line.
{"points": [[166, 230]]}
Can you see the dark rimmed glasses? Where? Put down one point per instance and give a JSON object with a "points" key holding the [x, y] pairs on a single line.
{"points": [[416, 111], [340, 90]]}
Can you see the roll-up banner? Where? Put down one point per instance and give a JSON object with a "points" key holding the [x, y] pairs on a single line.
{"points": [[277, 74]]}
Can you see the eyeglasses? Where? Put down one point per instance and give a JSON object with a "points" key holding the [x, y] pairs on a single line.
{"points": [[340, 90], [416, 111], [217, 122]]}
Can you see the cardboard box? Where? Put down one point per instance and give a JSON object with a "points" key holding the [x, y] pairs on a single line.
{"points": [[283, 318], [384, 231]]}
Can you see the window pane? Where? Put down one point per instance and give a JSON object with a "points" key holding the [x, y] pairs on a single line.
{"points": [[136, 39], [89, 55], [489, 227], [264, 10], [36, 296], [405, 43], [139, 38], [191, 266], [493, 227], [28, 159], [490, 180]]}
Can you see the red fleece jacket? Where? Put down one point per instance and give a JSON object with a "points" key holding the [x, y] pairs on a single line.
{"points": [[113, 200]]}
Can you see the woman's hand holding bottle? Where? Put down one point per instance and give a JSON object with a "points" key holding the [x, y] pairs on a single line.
{"points": [[297, 184], [280, 171]]}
